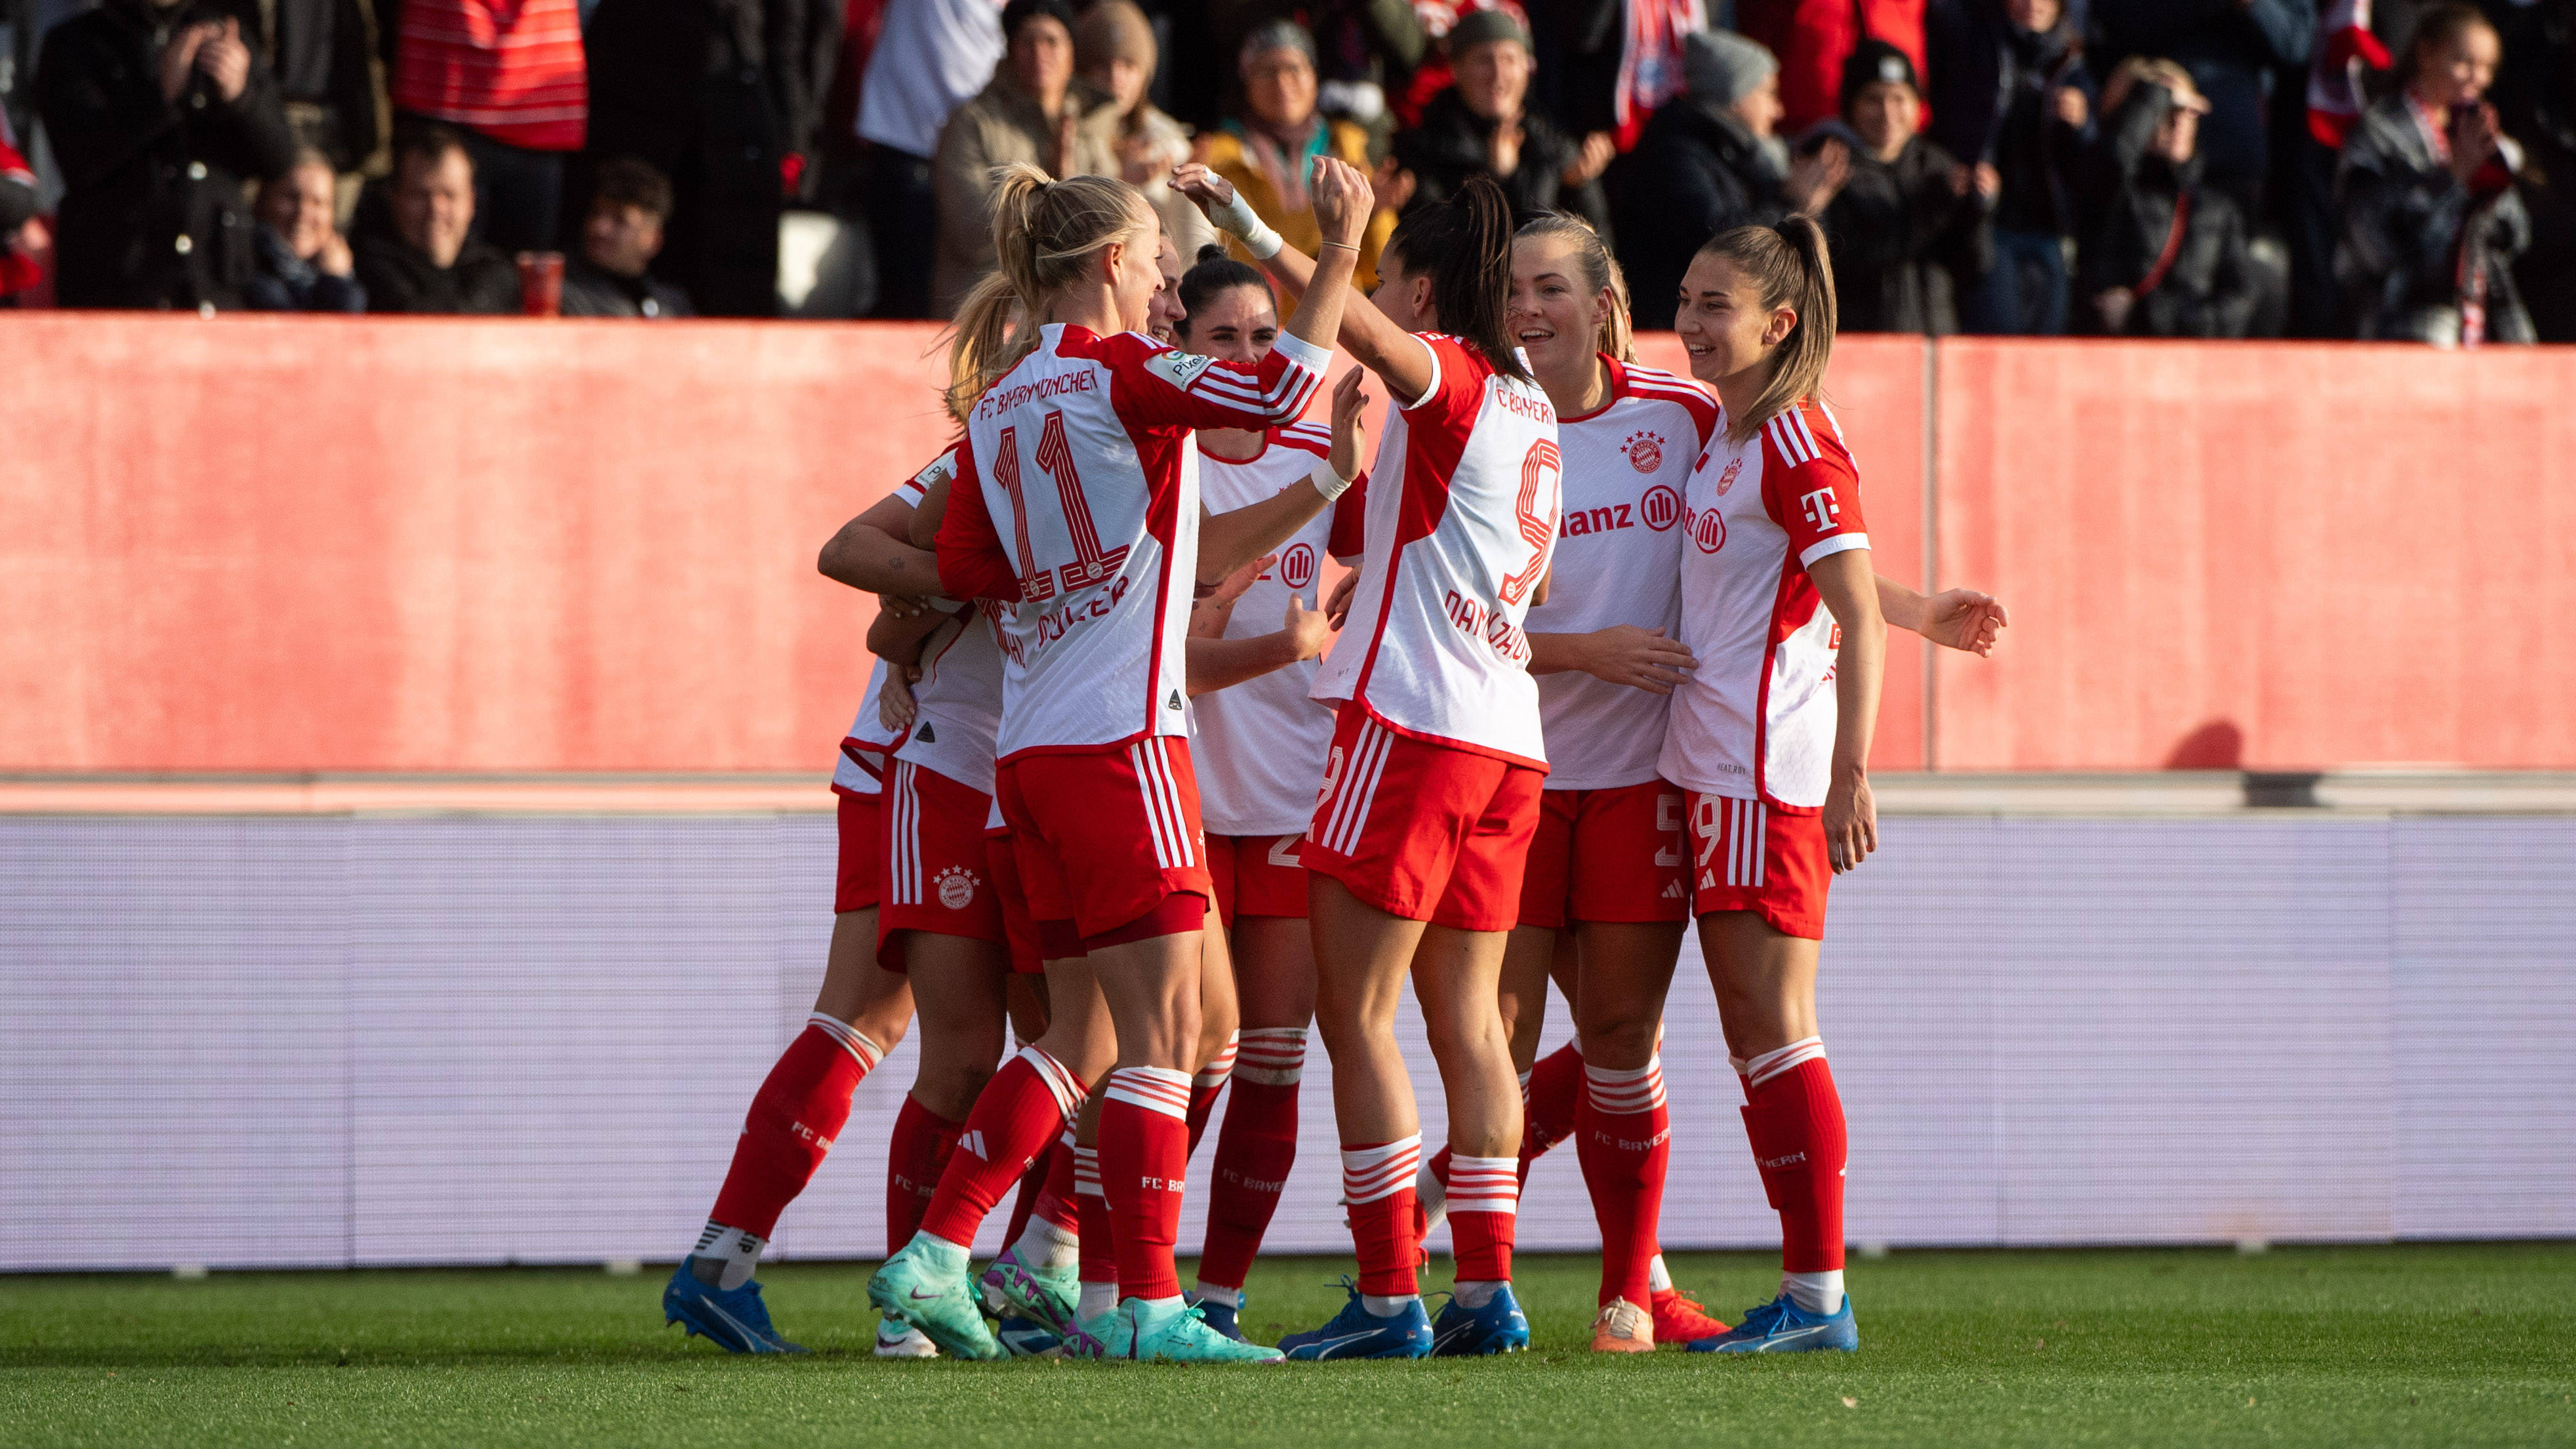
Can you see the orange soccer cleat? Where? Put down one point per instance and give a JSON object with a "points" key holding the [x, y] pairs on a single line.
{"points": [[1623, 1327], [1679, 1318]]}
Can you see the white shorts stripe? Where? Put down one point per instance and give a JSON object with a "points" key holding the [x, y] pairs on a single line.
{"points": [[1186, 838], [1160, 822], [906, 865], [1761, 842], [1357, 788]]}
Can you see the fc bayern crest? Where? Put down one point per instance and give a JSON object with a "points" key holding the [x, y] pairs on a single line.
{"points": [[1645, 451], [1726, 479]]}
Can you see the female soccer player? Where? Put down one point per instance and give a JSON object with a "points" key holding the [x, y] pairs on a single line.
{"points": [[1770, 733], [1431, 786], [1074, 501]]}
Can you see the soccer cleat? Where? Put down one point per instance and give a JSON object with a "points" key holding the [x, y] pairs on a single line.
{"points": [[911, 1291], [896, 1341], [1680, 1318], [1046, 1299], [1781, 1326], [1102, 1338], [1623, 1327], [1357, 1333], [736, 1320], [1225, 1318], [1185, 1337], [1024, 1338], [1498, 1327]]}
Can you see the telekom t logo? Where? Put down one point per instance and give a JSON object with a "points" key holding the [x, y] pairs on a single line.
{"points": [[1822, 511]]}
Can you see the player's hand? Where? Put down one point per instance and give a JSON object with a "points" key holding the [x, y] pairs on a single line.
{"points": [[1338, 607], [1638, 658], [1343, 200], [1851, 822], [896, 708], [1233, 585], [1350, 422], [1210, 192], [903, 606], [1965, 620], [1307, 629]]}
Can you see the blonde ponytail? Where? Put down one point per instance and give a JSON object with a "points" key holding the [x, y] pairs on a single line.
{"points": [[1044, 234], [1792, 266]]}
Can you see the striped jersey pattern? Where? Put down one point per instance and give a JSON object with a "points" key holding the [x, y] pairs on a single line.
{"points": [[1371, 1173], [512, 70]]}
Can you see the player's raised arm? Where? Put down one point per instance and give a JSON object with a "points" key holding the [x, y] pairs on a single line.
{"points": [[1227, 539]]}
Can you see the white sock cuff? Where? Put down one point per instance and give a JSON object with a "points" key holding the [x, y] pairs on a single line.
{"points": [[1484, 1184], [852, 1040], [1370, 1173], [1274, 1056], [1156, 1089], [1626, 1091], [1086, 1172], [1066, 1087], [1220, 1066], [1771, 1064], [1065, 1140]]}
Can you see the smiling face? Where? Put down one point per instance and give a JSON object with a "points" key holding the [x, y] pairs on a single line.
{"points": [[1723, 324], [2460, 68], [1493, 78], [1552, 315], [433, 203], [1886, 113], [1239, 324], [1279, 89], [299, 208]]}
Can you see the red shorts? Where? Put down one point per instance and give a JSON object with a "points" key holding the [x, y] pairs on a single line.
{"points": [[1423, 831], [1607, 855], [1018, 926], [1105, 838], [854, 886], [935, 877], [1258, 875], [1759, 857]]}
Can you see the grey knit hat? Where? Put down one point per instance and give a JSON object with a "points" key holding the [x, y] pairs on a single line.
{"points": [[1479, 26], [1720, 67]]}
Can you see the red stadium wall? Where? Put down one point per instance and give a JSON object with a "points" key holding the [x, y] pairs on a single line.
{"points": [[452, 545]]}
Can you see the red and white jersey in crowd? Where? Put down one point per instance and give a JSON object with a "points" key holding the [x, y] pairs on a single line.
{"points": [[1077, 503], [1258, 747], [1462, 512], [1756, 720], [1618, 561], [864, 748]]}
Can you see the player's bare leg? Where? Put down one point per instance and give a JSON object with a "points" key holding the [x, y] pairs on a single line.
{"points": [[1220, 1024], [1550, 1088]]}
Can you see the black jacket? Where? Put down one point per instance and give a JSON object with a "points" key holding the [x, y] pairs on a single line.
{"points": [[2411, 233], [1993, 95], [1454, 145], [400, 278], [1696, 172], [2208, 290], [590, 291], [2230, 48], [285, 282], [152, 213], [1901, 237]]}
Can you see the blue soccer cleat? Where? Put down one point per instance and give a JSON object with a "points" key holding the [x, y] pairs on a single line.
{"points": [[1023, 1338], [1357, 1333], [1781, 1326], [1498, 1327], [735, 1320], [1225, 1318]]}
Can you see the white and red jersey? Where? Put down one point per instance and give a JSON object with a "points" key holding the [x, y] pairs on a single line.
{"points": [[1259, 746], [959, 696], [1756, 720], [1077, 503], [1618, 561], [1461, 516], [865, 747]]}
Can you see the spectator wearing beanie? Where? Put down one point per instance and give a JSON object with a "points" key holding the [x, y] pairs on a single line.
{"points": [[2008, 87], [158, 113], [724, 100], [1813, 38], [930, 57], [1482, 125], [509, 77], [1267, 151], [1908, 218], [304, 265], [619, 239], [1114, 57], [1029, 113], [2169, 257], [1709, 161], [416, 252]]}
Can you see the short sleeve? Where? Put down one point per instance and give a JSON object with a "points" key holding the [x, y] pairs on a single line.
{"points": [[914, 489], [1810, 488], [972, 563], [1159, 386], [1457, 391], [1349, 538]]}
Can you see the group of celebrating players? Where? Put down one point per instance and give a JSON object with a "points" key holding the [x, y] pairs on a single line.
{"points": [[1093, 797]]}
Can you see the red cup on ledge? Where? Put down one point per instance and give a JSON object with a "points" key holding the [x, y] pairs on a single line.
{"points": [[541, 284]]}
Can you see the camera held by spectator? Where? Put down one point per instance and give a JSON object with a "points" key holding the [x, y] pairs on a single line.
{"points": [[619, 239], [2169, 256]]}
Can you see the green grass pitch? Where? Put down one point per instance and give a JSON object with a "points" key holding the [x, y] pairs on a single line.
{"points": [[2342, 1346]]}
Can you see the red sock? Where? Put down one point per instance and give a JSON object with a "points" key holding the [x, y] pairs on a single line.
{"points": [[1254, 1151], [916, 1157], [1624, 1138], [1024, 1106], [1099, 1251], [1377, 1184], [1484, 1207], [1056, 1203], [1032, 1186], [1144, 1155], [1204, 1087], [1795, 1122], [1549, 1104], [800, 1107]]}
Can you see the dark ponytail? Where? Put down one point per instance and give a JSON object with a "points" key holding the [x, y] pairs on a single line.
{"points": [[1465, 245], [1790, 264]]}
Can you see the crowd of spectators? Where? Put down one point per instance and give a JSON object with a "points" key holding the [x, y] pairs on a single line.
{"points": [[2377, 169]]}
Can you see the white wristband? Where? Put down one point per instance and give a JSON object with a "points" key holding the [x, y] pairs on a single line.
{"points": [[1238, 217], [1329, 482]]}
